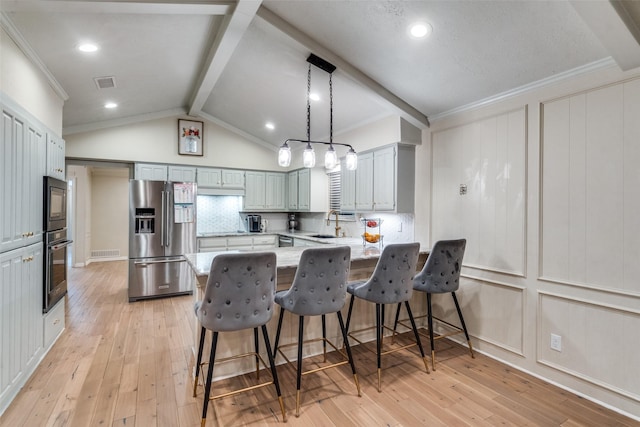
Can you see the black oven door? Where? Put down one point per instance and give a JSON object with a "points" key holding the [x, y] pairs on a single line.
{"points": [[55, 283], [55, 204]]}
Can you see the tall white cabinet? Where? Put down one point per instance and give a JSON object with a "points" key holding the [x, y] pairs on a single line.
{"points": [[28, 152]]}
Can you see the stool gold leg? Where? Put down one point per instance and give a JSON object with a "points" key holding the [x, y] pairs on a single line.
{"points": [[355, 378], [473, 356], [203, 423], [433, 359], [284, 413], [379, 380], [297, 403]]}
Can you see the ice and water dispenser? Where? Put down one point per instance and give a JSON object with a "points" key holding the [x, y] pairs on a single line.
{"points": [[145, 220]]}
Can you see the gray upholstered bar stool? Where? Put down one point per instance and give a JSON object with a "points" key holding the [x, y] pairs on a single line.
{"points": [[390, 283], [441, 275], [319, 287], [239, 295]]}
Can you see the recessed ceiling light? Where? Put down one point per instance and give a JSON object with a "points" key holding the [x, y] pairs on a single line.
{"points": [[270, 126], [87, 47], [314, 97], [110, 105], [420, 30]]}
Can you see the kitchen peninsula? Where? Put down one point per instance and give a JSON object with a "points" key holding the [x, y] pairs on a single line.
{"points": [[363, 262]]}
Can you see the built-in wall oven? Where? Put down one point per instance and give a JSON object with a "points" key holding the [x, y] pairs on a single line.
{"points": [[55, 242], [55, 204], [55, 268]]}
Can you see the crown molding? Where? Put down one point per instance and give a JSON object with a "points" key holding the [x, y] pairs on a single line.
{"points": [[588, 68], [8, 26], [90, 127]]}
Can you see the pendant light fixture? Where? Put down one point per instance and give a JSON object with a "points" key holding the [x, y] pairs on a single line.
{"points": [[309, 155]]}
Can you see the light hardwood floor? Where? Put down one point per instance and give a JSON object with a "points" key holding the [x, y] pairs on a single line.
{"points": [[122, 364]]}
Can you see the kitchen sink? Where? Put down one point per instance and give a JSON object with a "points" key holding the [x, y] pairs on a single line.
{"points": [[323, 236]]}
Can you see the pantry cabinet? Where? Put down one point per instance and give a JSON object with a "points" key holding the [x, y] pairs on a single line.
{"points": [[23, 164], [21, 346], [380, 175]]}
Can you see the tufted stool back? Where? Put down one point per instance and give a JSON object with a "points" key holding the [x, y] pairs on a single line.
{"points": [[391, 281], [239, 293], [441, 272], [320, 283]]}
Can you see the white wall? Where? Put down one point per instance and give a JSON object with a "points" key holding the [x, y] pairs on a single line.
{"points": [[553, 223], [156, 141], [109, 213], [26, 85]]}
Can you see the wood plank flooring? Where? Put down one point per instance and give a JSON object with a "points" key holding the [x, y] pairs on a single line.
{"points": [[122, 364]]}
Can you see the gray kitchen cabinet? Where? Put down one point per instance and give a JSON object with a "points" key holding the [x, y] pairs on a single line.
{"points": [[229, 243], [150, 171], [55, 156], [275, 191], [21, 317], [292, 191], [265, 191], [23, 165], [181, 173], [381, 174], [347, 189], [254, 197], [220, 178], [308, 190], [364, 183], [233, 179]]}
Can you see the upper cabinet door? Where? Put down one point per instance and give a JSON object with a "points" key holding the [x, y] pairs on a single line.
{"points": [[151, 172], [181, 173], [209, 178], [384, 179], [233, 179], [347, 189], [55, 157], [364, 183]]}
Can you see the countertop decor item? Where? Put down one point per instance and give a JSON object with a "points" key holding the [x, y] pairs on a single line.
{"points": [[309, 156], [190, 137]]}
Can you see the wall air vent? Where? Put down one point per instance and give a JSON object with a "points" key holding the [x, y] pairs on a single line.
{"points": [[106, 82]]}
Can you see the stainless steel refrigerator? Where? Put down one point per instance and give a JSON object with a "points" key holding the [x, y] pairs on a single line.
{"points": [[162, 229]]}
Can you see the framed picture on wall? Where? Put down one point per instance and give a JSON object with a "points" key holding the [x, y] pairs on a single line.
{"points": [[190, 137]]}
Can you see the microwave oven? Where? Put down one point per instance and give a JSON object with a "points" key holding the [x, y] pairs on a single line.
{"points": [[55, 204]]}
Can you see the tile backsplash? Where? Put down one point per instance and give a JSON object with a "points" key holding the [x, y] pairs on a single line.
{"points": [[396, 228], [219, 214]]}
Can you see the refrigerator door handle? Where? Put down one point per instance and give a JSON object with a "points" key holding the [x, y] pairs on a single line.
{"points": [[166, 261], [162, 228], [167, 217]]}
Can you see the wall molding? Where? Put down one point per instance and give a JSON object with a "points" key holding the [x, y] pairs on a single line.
{"points": [[571, 372], [510, 287], [590, 287]]}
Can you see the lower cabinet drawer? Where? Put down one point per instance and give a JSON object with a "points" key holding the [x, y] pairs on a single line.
{"points": [[53, 323]]}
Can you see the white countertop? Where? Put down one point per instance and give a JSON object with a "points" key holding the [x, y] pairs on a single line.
{"points": [[285, 257]]}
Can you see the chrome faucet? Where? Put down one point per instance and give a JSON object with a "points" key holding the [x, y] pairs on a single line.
{"points": [[333, 211]]}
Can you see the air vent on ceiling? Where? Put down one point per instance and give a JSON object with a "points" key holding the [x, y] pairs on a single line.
{"points": [[105, 82]]}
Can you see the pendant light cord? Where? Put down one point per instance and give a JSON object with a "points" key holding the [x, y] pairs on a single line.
{"points": [[331, 108], [309, 104]]}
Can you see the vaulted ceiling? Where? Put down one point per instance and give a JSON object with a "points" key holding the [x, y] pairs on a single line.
{"points": [[242, 63]]}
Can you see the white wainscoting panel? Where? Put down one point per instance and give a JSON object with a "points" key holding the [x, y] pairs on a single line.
{"points": [[593, 335], [590, 195], [485, 305], [488, 157]]}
